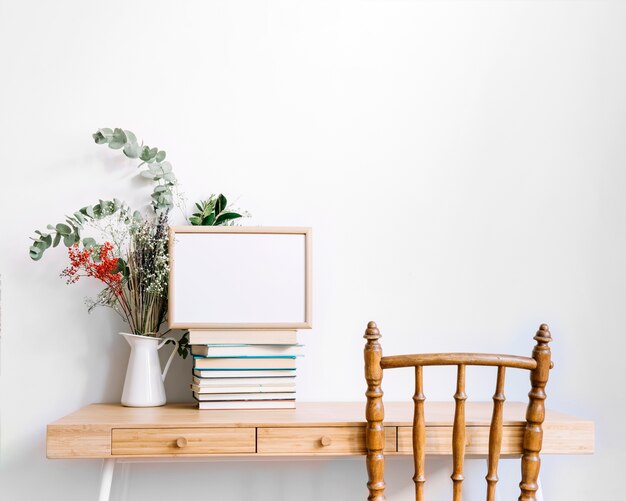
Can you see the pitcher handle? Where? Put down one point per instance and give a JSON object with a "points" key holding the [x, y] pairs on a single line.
{"points": [[169, 360]]}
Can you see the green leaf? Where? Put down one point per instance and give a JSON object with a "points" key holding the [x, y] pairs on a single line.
{"points": [[122, 267], [145, 153], [46, 239], [118, 140], [72, 222], [152, 153], [149, 175], [160, 156], [170, 178], [226, 216], [130, 136], [79, 217], [132, 149], [35, 253], [195, 220], [68, 240], [57, 239], [63, 229], [221, 204], [209, 220], [87, 211], [89, 242], [98, 138]]}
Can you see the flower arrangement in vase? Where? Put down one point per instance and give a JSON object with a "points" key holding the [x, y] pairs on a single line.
{"points": [[130, 258]]}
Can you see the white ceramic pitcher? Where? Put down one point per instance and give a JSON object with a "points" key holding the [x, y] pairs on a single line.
{"points": [[143, 386]]}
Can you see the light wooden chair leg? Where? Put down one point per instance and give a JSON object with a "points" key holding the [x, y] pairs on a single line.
{"points": [[108, 466], [539, 493], [495, 489]]}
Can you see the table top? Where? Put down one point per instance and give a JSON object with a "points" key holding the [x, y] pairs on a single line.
{"points": [[305, 414], [111, 430]]}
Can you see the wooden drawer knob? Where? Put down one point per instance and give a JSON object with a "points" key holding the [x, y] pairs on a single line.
{"points": [[181, 442], [325, 441]]}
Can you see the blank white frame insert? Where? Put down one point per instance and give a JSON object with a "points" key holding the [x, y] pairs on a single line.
{"points": [[237, 277]]}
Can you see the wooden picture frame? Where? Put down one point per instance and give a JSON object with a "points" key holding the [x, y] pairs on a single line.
{"points": [[182, 236]]}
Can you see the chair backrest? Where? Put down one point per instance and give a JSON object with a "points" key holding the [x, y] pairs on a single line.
{"points": [[539, 366]]}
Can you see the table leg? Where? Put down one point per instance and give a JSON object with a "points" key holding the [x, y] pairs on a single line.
{"points": [[107, 479]]}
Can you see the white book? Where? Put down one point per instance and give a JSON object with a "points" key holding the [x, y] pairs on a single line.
{"points": [[265, 363], [244, 396], [261, 404], [216, 390], [243, 337], [247, 350], [243, 381], [233, 374]]}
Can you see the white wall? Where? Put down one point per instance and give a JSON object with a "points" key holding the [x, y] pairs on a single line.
{"points": [[461, 163]]}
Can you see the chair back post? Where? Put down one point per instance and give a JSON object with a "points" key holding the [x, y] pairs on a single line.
{"points": [[535, 414], [374, 414]]}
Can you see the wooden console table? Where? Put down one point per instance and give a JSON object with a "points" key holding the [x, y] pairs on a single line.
{"points": [[112, 432]]}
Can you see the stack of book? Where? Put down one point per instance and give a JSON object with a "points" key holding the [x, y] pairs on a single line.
{"points": [[244, 369]]}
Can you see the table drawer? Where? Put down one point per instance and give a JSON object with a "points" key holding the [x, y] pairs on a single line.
{"points": [[177, 441], [439, 440], [318, 440]]}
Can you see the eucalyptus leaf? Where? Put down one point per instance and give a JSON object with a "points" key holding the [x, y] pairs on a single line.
{"points": [[118, 140], [148, 174], [130, 136], [68, 240], [47, 240], [89, 242], [63, 229], [160, 156], [87, 211], [145, 153], [170, 178], [99, 138], [132, 149], [35, 253]]}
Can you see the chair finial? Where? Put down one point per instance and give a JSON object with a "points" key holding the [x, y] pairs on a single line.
{"points": [[372, 331], [543, 336]]}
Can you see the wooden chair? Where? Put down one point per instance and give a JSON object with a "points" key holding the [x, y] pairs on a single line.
{"points": [[539, 366]]}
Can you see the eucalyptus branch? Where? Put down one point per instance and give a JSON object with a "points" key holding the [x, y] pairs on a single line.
{"points": [[69, 231], [158, 169]]}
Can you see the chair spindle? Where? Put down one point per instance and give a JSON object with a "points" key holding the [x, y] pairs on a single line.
{"points": [[535, 414], [419, 434], [458, 434], [495, 436], [374, 412]]}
